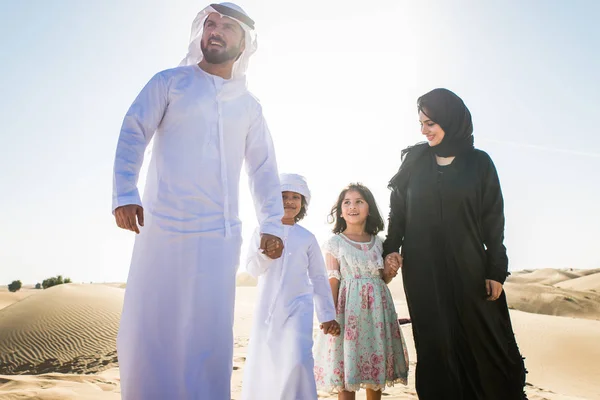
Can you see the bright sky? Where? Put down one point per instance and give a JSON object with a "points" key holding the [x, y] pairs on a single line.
{"points": [[338, 81]]}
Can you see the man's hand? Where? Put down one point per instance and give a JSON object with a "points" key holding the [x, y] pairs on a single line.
{"points": [[126, 217], [331, 328], [391, 266], [271, 246], [493, 289]]}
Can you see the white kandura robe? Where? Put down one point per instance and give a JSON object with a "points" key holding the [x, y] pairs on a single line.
{"points": [[280, 362], [176, 335]]}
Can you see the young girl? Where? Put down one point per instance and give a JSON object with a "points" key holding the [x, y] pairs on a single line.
{"points": [[280, 362], [370, 353]]}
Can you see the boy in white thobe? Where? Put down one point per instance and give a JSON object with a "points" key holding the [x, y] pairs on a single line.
{"points": [[280, 362]]}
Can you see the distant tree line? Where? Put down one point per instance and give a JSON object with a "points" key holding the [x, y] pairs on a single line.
{"points": [[55, 280], [46, 283]]}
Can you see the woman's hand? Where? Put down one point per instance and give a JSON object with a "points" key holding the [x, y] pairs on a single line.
{"points": [[391, 266], [493, 289]]}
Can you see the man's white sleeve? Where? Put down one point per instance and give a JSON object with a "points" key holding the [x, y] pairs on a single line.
{"points": [[139, 125], [261, 167]]}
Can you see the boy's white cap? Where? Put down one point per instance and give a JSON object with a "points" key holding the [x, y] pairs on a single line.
{"points": [[295, 183]]}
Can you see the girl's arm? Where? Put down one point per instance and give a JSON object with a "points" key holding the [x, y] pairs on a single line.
{"points": [[257, 263], [331, 249], [317, 272], [333, 271]]}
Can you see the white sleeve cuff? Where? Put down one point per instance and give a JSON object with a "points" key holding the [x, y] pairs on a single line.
{"points": [[334, 274], [274, 229], [126, 200]]}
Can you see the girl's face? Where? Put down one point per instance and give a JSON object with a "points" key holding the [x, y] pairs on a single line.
{"points": [[432, 131], [292, 203], [355, 208]]}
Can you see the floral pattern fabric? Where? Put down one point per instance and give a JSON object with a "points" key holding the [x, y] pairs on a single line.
{"points": [[370, 352]]}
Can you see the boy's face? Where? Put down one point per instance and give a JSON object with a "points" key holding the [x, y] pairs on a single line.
{"points": [[292, 203]]}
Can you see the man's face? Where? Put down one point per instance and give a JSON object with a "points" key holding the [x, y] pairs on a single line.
{"points": [[222, 39]]}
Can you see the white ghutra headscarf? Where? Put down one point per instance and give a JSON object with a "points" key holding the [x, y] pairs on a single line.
{"points": [[295, 183], [235, 12]]}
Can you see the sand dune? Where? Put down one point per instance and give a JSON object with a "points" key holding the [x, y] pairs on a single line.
{"points": [[545, 276], [550, 300], [72, 328], [101, 386], [589, 282], [66, 328], [584, 272], [7, 298]]}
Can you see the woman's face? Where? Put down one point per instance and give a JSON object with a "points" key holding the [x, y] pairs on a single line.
{"points": [[432, 131]]}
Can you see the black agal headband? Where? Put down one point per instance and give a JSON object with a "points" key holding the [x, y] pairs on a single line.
{"points": [[230, 12]]}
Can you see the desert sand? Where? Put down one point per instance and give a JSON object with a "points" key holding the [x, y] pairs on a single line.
{"points": [[59, 343], [7, 298]]}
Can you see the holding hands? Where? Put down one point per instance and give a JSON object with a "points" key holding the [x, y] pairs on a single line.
{"points": [[271, 246], [391, 266], [331, 328]]}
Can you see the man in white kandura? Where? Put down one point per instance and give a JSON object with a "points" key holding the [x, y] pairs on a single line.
{"points": [[176, 335]]}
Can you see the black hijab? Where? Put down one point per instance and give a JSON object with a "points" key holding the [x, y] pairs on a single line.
{"points": [[449, 111]]}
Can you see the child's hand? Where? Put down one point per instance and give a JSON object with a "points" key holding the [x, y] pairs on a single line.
{"points": [[391, 265], [271, 246], [331, 328]]}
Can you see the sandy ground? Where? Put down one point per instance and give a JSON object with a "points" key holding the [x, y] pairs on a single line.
{"points": [[59, 343]]}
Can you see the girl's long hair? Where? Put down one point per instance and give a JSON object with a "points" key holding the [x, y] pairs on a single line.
{"points": [[374, 223]]}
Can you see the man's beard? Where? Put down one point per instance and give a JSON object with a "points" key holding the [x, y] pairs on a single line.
{"points": [[220, 57]]}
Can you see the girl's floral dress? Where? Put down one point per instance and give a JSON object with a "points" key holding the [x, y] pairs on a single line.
{"points": [[370, 352]]}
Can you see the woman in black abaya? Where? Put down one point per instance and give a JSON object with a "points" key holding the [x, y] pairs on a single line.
{"points": [[447, 217]]}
